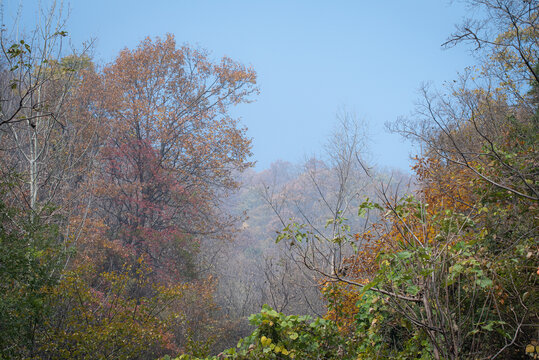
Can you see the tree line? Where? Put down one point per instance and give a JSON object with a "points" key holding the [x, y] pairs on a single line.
{"points": [[112, 176], [117, 212]]}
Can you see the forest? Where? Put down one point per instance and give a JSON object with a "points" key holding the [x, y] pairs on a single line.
{"points": [[133, 224]]}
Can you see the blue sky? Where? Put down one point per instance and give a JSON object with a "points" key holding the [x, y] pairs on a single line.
{"points": [[312, 58]]}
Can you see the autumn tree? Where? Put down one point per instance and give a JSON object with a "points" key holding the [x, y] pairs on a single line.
{"points": [[482, 134], [455, 264], [470, 127], [129, 164], [167, 153], [40, 156], [173, 148]]}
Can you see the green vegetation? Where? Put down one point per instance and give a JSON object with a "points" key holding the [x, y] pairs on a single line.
{"points": [[111, 225]]}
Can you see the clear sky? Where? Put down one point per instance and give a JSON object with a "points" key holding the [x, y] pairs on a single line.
{"points": [[312, 58]]}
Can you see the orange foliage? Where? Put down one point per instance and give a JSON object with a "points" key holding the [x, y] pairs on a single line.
{"points": [[443, 187]]}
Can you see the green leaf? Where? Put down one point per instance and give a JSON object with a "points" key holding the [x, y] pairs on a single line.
{"points": [[404, 255], [413, 290], [484, 282], [367, 205], [371, 284], [457, 269]]}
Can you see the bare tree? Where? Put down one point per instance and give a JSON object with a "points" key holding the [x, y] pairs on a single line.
{"points": [[464, 123], [325, 200], [40, 139]]}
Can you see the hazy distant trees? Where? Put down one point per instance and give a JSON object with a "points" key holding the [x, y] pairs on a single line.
{"points": [[329, 187]]}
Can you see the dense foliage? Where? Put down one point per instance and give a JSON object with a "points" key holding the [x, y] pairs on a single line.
{"points": [[450, 271], [112, 217], [111, 179]]}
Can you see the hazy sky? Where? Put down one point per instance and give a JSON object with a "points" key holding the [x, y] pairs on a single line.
{"points": [[312, 58]]}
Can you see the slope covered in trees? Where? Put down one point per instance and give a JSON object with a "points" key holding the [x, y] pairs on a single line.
{"points": [[131, 226], [111, 179], [449, 271]]}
